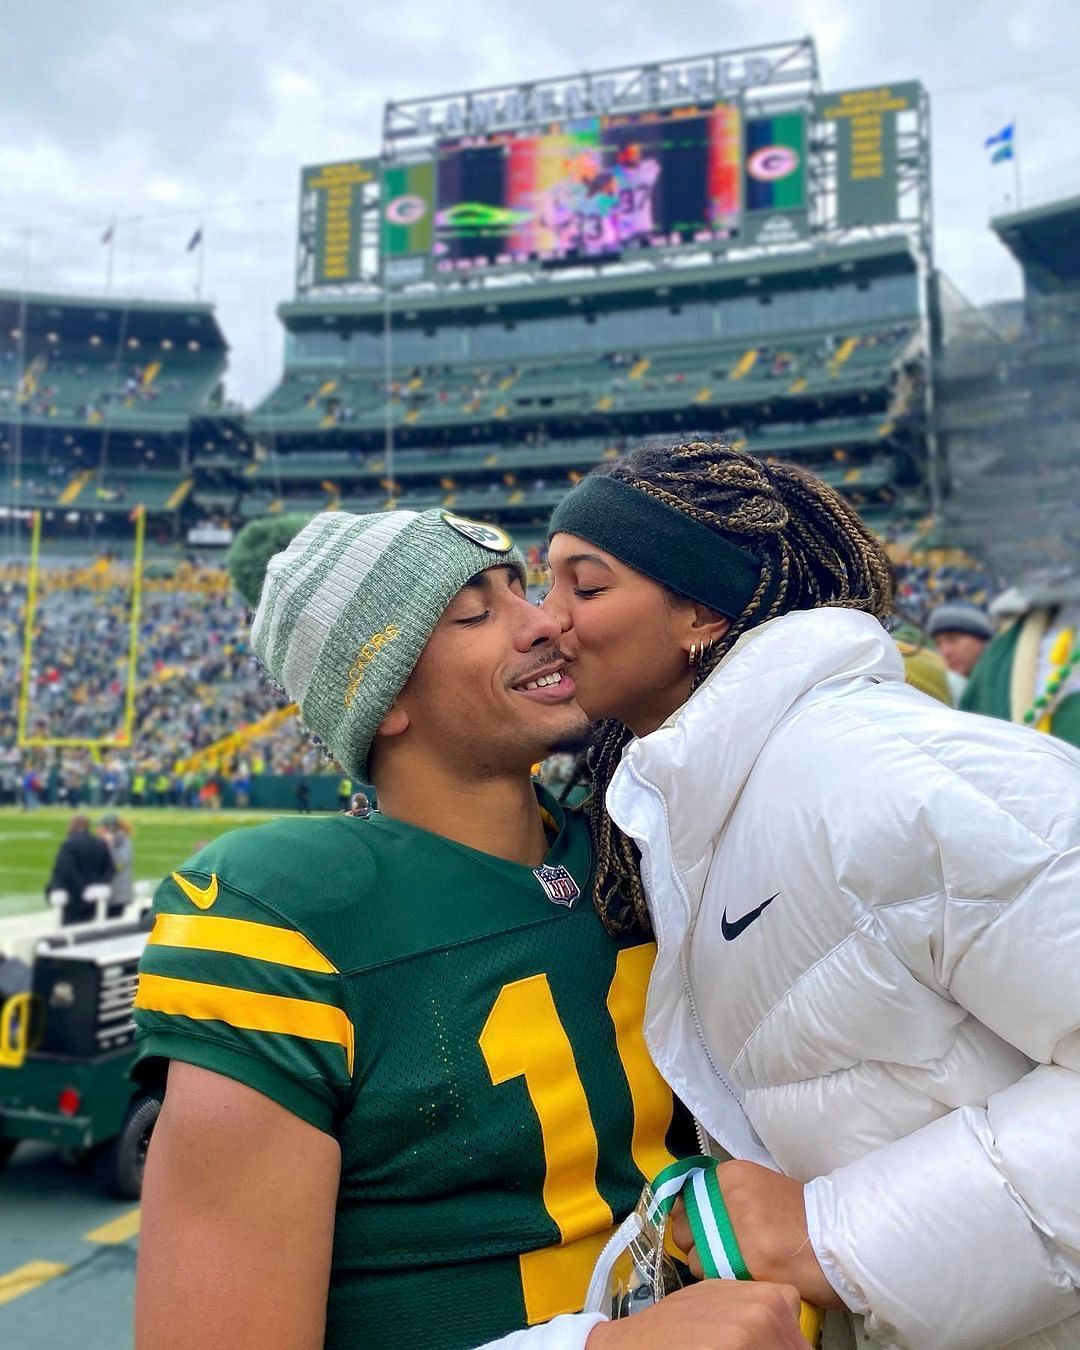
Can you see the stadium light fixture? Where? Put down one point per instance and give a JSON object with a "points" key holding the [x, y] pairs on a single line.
{"points": [[16, 333], [166, 344], [52, 337], [193, 345], [95, 340], [133, 342]]}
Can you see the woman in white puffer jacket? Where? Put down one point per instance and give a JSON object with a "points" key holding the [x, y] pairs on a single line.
{"points": [[866, 905]]}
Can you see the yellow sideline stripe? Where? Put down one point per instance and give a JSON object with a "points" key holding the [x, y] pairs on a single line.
{"points": [[116, 1231], [247, 1011], [240, 937], [23, 1279]]}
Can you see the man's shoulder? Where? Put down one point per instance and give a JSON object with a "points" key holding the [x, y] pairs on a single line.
{"points": [[300, 870]]}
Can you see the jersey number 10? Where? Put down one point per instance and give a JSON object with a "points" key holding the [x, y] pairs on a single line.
{"points": [[524, 1038]]}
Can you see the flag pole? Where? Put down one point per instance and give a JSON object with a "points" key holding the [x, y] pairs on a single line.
{"points": [[1016, 165], [201, 263], [109, 259]]}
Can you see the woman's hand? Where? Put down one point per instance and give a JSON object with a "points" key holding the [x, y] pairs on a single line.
{"points": [[767, 1213]]}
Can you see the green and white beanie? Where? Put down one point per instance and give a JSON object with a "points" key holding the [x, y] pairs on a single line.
{"points": [[346, 609]]}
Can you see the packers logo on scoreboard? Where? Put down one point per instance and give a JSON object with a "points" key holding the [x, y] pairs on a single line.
{"points": [[487, 536], [406, 210], [772, 162]]}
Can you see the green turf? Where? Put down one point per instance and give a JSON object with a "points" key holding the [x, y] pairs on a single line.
{"points": [[163, 838]]}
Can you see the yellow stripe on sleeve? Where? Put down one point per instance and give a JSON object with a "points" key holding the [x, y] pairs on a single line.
{"points": [[247, 1011], [240, 937]]}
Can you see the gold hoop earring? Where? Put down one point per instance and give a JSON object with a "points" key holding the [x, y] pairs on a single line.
{"points": [[693, 654]]}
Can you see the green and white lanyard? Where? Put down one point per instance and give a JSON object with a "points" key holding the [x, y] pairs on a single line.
{"points": [[710, 1227], [706, 1212]]}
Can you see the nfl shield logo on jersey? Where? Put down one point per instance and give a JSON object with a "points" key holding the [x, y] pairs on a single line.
{"points": [[558, 884]]}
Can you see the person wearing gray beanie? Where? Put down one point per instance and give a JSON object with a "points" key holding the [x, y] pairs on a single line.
{"points": [[961, 633], [407, 1099]]}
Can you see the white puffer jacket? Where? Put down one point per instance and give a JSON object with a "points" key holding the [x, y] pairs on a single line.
{"points": [[867, 909]]}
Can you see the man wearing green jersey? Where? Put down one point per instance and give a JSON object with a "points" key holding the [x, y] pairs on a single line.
{"points": [[408, 1090]]}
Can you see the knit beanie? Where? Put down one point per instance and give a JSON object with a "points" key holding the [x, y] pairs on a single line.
{"points": [[345, 610], [960, 618]]}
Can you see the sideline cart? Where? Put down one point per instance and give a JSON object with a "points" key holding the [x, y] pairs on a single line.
{"points": [[66, 1050]]}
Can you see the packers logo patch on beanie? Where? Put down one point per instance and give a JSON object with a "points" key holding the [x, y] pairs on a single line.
{"points": [[346, 608], [487, 536]]}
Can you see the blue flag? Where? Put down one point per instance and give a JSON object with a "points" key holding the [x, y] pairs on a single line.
{"points": [[195, 240], [1002, 144]]}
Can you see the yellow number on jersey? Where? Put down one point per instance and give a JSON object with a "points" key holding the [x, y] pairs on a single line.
{"points": [[524, 1038]]}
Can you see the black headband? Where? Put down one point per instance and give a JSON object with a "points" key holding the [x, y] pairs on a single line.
{"points": [[661, 542]]}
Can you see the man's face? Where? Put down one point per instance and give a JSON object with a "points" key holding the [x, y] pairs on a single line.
{"points": [[489, 689], [960, 651]]}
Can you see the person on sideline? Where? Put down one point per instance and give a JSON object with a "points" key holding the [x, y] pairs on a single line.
{"points": [[82, 860], [117, 835], [865, 902], [407, 1098]]}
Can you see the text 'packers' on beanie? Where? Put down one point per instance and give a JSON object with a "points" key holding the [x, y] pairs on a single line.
{"points": [[347, 607]]}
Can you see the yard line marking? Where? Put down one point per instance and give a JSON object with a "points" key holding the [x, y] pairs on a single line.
{"points": [[23, 1279], [116, 1230]]}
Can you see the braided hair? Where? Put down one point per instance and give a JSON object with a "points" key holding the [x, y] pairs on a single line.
{"points": [[807, 539]]}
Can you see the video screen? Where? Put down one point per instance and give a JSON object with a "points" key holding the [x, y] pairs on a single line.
{"points": [[592, 188]]}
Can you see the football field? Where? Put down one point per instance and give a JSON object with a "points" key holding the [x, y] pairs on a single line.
{"points": [[163, 838]]}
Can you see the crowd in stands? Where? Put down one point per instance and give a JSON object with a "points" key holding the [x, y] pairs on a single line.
{"points": [[197, 685], [341, 397], [80, 384]]}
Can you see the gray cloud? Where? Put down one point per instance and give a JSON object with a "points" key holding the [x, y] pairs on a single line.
{"points": [[165, 118]]}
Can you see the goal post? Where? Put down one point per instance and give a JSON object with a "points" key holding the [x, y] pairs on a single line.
{"points": [[123, 736]]}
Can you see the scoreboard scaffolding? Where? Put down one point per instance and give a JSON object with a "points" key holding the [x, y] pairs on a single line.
{"points": [[723, 155]]}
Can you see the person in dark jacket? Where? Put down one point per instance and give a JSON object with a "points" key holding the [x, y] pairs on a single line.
{"points": [[82, 860]]}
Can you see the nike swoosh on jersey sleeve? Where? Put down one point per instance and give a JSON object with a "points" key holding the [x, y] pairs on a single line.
{"points": [[242, 978]]}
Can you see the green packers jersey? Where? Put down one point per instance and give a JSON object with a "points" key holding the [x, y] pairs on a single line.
{"points": [[465, 1028]]}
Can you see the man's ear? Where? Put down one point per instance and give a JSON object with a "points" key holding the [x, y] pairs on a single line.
{"points": [[395, 722]]}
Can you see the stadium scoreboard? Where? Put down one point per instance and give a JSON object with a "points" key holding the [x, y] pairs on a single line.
{"points": [[332, 201], [718, 154], [867, 177]]}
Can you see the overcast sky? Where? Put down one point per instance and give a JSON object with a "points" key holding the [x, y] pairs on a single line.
{"points": [[165, 116]]}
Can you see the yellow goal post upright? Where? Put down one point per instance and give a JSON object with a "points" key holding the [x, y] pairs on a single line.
{"points": [[123, 737]]}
